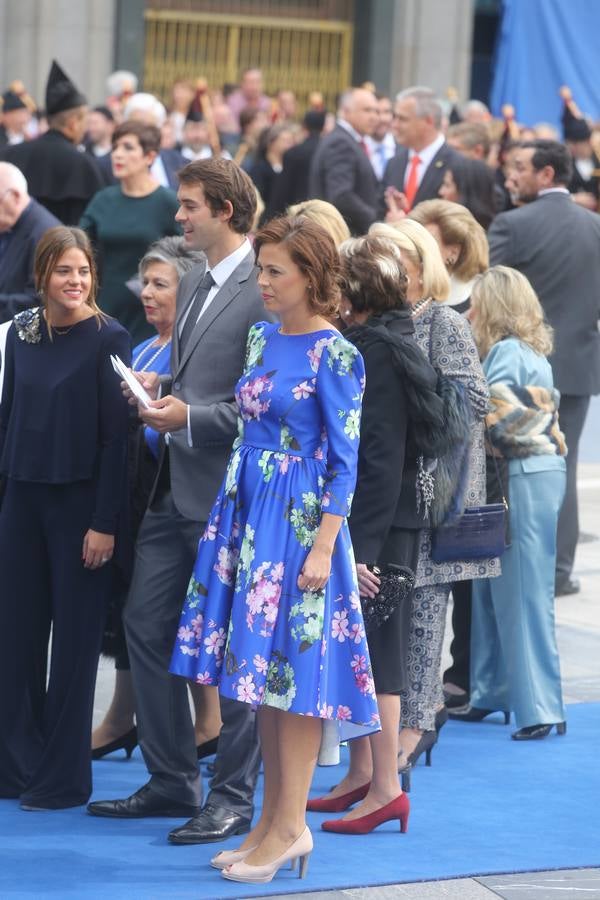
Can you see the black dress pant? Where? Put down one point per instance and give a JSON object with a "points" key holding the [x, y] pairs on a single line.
{"points": [[572, 413], [45, 726], [459, 672]]}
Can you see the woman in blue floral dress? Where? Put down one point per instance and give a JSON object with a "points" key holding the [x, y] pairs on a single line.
{"points": [[273, 613]]}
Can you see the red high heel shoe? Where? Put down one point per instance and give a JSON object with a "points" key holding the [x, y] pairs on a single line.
{"points": [[338, 804], [397, 809]]}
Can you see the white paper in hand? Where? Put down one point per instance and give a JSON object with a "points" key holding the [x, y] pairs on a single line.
{"points": [[131, 381]]}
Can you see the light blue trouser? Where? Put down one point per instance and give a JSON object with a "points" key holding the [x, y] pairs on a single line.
{"points": [[514, 656]]}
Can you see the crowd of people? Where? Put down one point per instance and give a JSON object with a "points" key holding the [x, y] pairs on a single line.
{"points": [[366, 344]]}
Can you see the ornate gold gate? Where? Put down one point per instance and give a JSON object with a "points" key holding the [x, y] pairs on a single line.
{"points": [[300, 54]]}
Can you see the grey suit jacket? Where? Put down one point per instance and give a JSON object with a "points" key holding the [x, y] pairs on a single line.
{"points": [[342, 174], [556, 244], [205, 377]]}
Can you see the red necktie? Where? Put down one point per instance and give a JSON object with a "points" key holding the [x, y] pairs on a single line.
{"points": [[412, 184], [363, 145]]}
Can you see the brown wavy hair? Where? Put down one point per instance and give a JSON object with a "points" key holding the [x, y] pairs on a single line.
{"points": [[312, 249], [223, 181], [52, 245]]}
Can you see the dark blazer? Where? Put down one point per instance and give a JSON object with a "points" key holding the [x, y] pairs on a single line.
{"points": [[17, 288], [376, 504], [431, 181], [342, 174], [556, 244], [205, 378], [59, 176], [292, 184], [591, 185]]}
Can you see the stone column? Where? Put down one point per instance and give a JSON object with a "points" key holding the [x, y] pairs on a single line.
{"points": [[400, 43], [80, 36]]}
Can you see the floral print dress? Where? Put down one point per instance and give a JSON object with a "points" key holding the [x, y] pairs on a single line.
{"points": [[246, 625]]}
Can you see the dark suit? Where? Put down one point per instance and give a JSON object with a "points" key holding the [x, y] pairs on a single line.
{"points": [[203, 376], [292, 185], [556, 244], [590, 185], [17, 287], [59, 177], [432, 178], [342, 174]]}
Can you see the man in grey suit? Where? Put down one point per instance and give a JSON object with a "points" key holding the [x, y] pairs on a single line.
{"points": [[341, 170], [556, 244], [216, 306], [417, 170]]}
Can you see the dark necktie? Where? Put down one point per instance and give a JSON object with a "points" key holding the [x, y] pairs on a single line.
{"points": [[194, 310]]}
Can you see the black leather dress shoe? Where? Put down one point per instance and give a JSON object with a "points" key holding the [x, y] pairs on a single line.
{"points": [[212, 824], [537, 732], [566, 586], [474, 714], [144, 803]]}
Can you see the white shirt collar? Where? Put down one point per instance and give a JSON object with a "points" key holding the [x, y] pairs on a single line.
{"points": [[225, 268], [158, 170], [352, 131], [427, 154], [554, 190]]}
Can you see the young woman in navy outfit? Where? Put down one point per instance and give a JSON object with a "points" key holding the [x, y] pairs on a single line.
{"points": [[63, 444]]}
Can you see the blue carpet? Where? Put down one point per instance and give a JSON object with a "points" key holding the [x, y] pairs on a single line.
{"points": [[486, 806]]}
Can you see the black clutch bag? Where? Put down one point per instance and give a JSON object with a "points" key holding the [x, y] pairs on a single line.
{"points": [[396, 584]]}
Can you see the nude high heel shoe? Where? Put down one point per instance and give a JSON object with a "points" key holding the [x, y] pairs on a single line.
{"points": [[228, 857], [247, 874]]}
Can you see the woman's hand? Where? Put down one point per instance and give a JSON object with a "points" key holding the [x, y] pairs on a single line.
{"points": [[97, 548], [368, 582], [316, 570]]}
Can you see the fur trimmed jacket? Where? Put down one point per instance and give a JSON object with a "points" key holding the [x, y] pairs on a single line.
{"points": [[524, 421]]}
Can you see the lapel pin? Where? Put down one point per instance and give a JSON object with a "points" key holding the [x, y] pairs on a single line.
{"points": [[439, 164]]}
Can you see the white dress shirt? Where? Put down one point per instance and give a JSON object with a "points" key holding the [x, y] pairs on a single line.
{"points": [[380, 153], [426, 156]]}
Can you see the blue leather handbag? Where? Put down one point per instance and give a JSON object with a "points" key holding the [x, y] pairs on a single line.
{"points": [[478, 534]]}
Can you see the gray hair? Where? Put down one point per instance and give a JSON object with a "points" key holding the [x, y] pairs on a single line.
{"points": [[146, 103], [173, 251], [12, 178], [121, 80], [426, 103]]}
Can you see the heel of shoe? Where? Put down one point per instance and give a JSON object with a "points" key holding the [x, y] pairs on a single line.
{"points": [[506, 718], [428, 756], [303, 867], [404, 822], [561, 728], [131, 744]]}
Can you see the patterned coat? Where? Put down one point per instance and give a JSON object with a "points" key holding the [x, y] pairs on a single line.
{"points": [[446, 339]]}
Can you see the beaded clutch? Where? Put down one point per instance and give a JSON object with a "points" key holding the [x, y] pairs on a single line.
{"points": [[396, 584]]}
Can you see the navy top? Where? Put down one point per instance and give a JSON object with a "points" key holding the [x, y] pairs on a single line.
{"points": [[63, 417]]}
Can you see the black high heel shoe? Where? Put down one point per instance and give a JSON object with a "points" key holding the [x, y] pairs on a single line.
{"points": [[473, 714], [537, 732], [441, 717], [427, 742], [127, 742]]}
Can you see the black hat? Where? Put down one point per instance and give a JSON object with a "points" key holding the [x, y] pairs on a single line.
{"points": [[194, 114], [11, 101], [61, 93], [575, 128]]}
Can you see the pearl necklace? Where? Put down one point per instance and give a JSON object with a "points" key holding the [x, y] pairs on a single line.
{"points": [[418, 306], [144, 368]]}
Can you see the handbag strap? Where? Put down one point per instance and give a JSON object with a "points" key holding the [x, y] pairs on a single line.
{"points": [[496, 466]]}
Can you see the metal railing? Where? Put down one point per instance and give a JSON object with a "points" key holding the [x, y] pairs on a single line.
{"points": [[303, 55]]}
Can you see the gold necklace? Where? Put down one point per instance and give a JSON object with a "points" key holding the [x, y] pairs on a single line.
{"points": [[62, 330]]}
